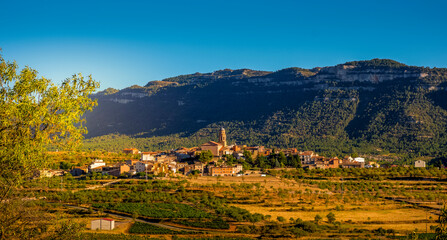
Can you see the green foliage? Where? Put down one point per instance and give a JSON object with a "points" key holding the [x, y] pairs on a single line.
{"points": [[330, 217], [35, 116], [289, 108], [280, 219], [307, 226], [65, 165], [215, 238], [318, 218], [217, 223], [145, 228], [377, 64], [441, 230], [205, 156], [156, 210]]}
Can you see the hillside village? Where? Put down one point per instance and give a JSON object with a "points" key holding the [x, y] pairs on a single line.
{"points": [[213, 159]]}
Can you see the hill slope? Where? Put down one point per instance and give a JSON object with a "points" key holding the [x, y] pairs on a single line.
{"points": [[381, 102]]}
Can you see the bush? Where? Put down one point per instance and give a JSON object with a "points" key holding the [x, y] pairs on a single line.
{"points": [[307, 226], [331, 217], [217, 223], [144, 228]]}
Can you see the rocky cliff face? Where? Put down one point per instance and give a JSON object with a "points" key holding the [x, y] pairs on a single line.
{"points": [[355, 99], [350, 73]]}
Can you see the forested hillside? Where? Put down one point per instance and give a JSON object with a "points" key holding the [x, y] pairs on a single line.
{"points": [[376, 106]]}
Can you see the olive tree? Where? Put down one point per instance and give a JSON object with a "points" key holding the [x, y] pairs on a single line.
{"points": [[35, 115]]}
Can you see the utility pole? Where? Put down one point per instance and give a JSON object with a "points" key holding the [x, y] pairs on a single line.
{"points": [[62, 180]]}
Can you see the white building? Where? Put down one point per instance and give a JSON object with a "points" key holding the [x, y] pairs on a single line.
{"points": [[359, 159], [103, 224], [237, 168], [147, 156], [96, 164], [419, 163]]}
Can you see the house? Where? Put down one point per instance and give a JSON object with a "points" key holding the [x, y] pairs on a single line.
{"points": [[103, 224], [173, 167], [163, 158], [222, 171], [213, 147], [352, 164], [255, 151], [290, 151], [306, 156], [227, 151], [116, 170], [236, 148], [131, 151], [188, 169], [148, 156], [96, 170], [181, 166], [182, 153], [419, 164], [96, 164], [359, 159], [238, 168], [333, 163], [131, 162], [199, 166], [316, 160], [142, 166]]}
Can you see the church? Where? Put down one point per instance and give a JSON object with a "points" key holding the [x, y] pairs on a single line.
{"points": [[216, 147]]}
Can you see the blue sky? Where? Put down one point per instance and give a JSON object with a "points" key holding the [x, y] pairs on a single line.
{"points": [[122, 43]]}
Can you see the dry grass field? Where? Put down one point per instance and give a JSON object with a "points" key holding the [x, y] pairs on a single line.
{"points": [[360, 207], [381, 213]]}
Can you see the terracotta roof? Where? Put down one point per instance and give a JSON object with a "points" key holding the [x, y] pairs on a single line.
{"points": [[251, 148], [307, 153], [211, 143], [149, 153], [108, 219]]}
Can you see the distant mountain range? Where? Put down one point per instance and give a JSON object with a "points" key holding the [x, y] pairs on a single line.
{"points": [[380, 105]]}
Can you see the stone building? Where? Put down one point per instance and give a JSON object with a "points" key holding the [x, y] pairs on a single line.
{"points": [[213, 147], [222, 137]]}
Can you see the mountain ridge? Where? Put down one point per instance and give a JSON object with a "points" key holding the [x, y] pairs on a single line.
{"points": [[379, 101]]}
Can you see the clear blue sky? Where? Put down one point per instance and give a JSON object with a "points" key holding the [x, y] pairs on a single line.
{"points": [[122, 43]]}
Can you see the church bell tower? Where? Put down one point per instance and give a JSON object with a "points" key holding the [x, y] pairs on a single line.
{"points": [[222, 137]]}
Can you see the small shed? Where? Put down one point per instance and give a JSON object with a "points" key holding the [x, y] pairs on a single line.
{"points": [[419, 164], [103, 224]]}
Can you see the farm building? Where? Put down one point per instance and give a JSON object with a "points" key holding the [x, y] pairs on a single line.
{"points": [[419, 163], [103, 224]]}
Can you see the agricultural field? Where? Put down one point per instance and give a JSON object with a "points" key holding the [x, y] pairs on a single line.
{"points": [[284, 204]]}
